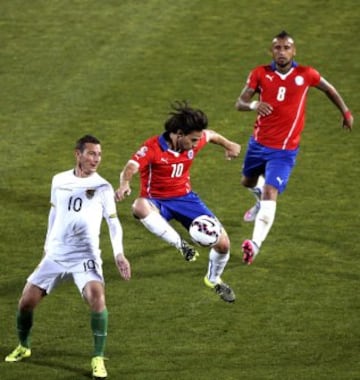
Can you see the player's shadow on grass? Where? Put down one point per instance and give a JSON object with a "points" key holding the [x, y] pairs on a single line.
{"points": [[65, 363], [155, 272]]}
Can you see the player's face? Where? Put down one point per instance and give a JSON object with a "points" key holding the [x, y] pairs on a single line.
{"points": [[283, 52], [89, 159], [187, 142]]}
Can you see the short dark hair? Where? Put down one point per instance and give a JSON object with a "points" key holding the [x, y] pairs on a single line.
{"points": [[283, 34], [80, 144], [185, 118]]}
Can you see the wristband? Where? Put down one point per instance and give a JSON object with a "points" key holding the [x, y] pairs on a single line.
{"points": [[347, 115], [254, 104]]}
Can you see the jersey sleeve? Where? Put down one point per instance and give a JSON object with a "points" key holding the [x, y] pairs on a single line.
{"points": [[144, 155], [253, 79], [313, 76], [108, 199], [52, 211], [51, 220], [116, 235], [53, 191], [112, 220]]}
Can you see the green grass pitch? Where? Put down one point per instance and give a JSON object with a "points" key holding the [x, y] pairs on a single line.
{"points": [[111, 68]]}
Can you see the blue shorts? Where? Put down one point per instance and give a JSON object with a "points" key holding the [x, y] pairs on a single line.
{"points": [[275, 164], [183, 209]]}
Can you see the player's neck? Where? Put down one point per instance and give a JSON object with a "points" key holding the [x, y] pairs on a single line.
{"points": [[172, 143], [283, 70], [78, 172]]}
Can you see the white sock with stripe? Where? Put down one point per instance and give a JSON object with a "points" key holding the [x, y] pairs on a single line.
{"points": [[216, 266], [157, 225], [264, 221]]}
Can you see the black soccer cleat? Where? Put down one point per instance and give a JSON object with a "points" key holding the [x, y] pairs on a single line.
{"points": [[189, 252]]}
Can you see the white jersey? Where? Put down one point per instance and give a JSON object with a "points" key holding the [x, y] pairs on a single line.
{"points": [[78, 207]]}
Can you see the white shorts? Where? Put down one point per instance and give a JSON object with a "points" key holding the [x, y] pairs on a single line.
{"points": [[50, 273]]}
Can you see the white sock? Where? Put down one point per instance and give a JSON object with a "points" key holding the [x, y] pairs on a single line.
{"points": [[217, 263], [263, 221], [258, 189], [156, 224]]}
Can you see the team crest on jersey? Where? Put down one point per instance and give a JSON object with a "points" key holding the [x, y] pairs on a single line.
{"points": [[141, 152], [299, 80], [89, 193], [190, 154]]}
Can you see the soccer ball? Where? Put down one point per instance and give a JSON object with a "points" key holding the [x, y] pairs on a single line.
{"points": [[205, 230]]}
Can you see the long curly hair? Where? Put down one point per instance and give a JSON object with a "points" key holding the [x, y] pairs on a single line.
{"points": [[185, 118]]}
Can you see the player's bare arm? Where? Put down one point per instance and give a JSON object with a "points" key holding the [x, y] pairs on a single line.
{"points": [[126, 176], [245, 103], [339, 102], [232, 149]]}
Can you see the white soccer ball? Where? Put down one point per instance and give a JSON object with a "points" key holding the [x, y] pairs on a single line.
{"points": [[205, 230]]}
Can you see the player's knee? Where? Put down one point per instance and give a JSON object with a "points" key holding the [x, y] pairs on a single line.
{"points": [[97, 302], [223, 245], [27, 303], [141, 208], [248, 182], [30, 297], [270, 193]]}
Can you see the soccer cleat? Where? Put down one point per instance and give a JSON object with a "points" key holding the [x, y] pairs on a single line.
{"points": [[250, 250], [250, 214], [210, 284], [222, 289], [98, 368], [189, 252], [225, 292], [18, 354]]}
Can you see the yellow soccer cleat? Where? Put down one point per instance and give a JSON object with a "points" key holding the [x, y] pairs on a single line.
{"points": [[98, 368], [210, 284], [18, 354]]}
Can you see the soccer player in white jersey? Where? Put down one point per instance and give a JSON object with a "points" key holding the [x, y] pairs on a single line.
{"points": [[80, 199]]}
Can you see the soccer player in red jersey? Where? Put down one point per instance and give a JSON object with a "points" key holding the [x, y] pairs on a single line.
{"points": [[164, 163], [282, 87]]}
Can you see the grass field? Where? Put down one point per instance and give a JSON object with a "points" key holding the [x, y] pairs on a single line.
{"points": [[111, 68]]}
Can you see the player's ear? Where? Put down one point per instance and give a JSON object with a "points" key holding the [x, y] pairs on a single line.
{"points": [[77, 153]]}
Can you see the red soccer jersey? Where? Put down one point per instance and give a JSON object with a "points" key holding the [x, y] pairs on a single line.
{"points": [[286, 93], [165, 173]]}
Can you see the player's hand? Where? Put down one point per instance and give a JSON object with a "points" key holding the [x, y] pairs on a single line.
{"points": [[122, 192], [348, 121], [232, 151], [264, 109], [123, 266]]}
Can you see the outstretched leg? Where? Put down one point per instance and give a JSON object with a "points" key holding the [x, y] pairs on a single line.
{"points": [[156, 224]]}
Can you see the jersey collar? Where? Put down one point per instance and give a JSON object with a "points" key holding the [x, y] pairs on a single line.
{"points": [[162, 141], [165, 147]]}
